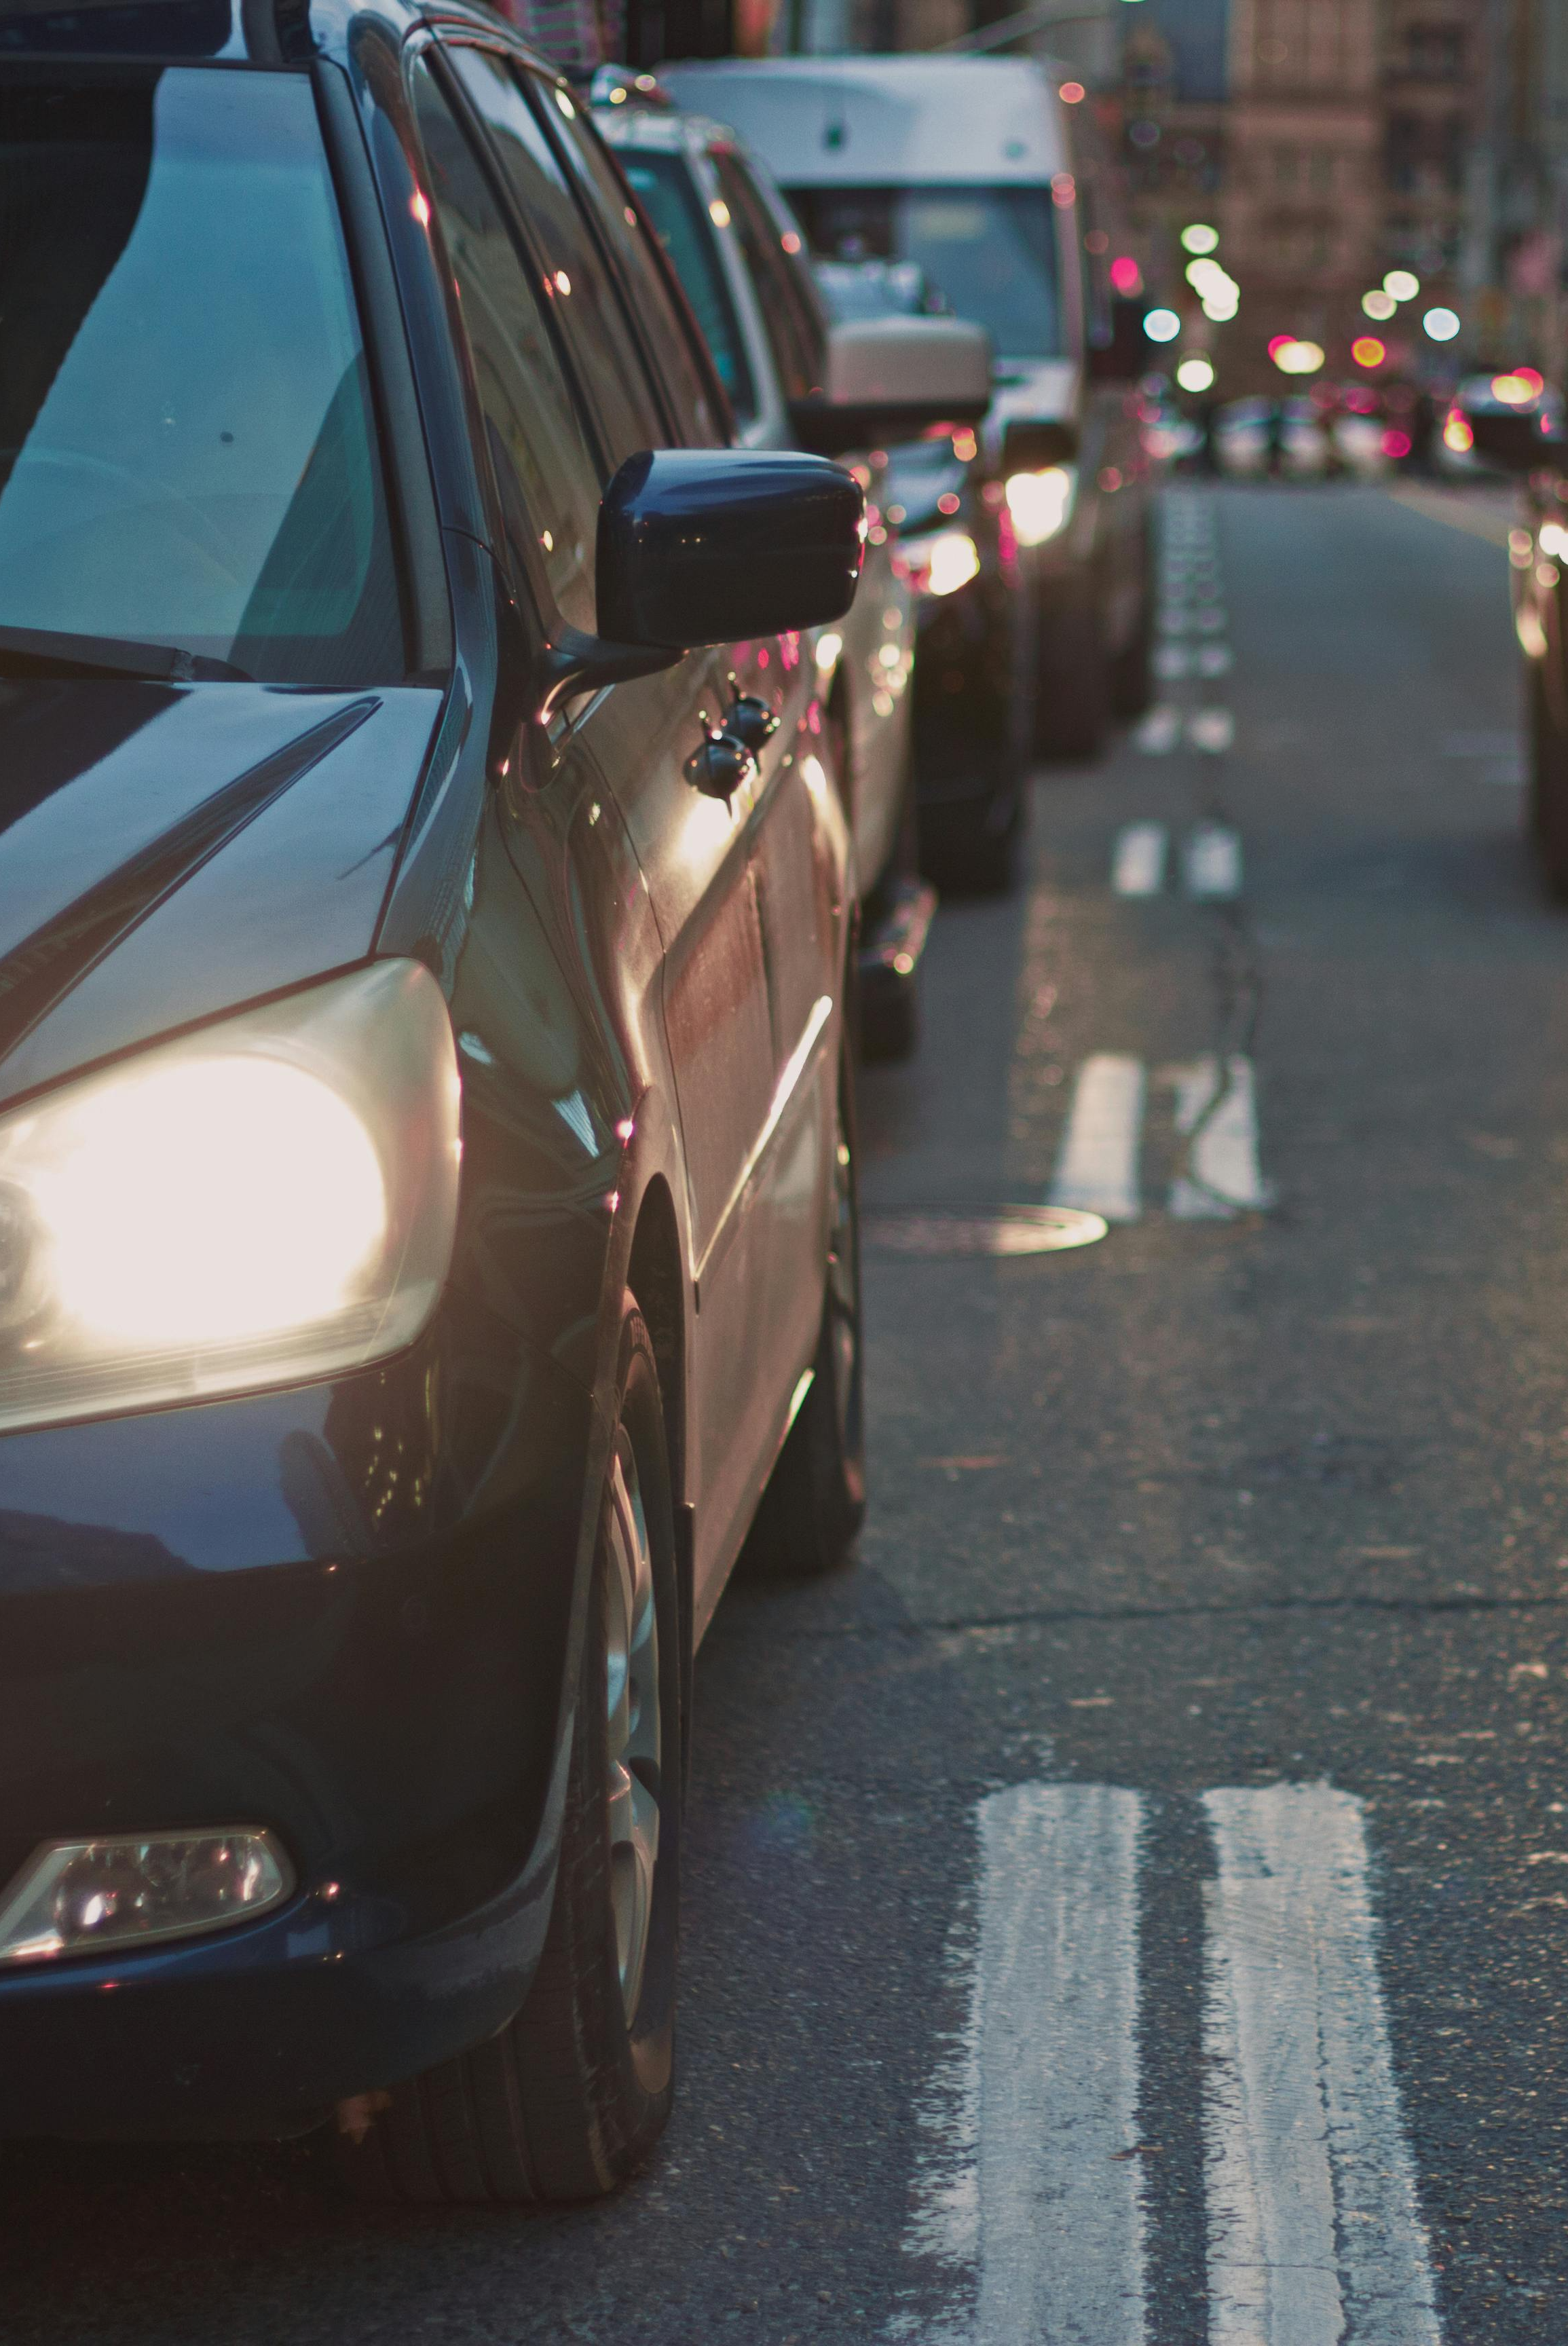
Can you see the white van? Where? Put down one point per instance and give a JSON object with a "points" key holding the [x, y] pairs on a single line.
{"points": [[964, 166]]}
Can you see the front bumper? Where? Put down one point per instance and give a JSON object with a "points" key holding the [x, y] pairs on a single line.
{"points": [[342, 1612]]}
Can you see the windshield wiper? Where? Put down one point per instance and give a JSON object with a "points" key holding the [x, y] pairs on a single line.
{"points": [[47, 652]]}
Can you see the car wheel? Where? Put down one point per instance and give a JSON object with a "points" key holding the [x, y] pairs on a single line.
{"points": [[1548, 795], [1132, 670], [568, 2100], [973, 847], [816, 1500], [1072, 690]]}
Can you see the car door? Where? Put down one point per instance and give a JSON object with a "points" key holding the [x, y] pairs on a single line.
{"points": [[693, 852], [786, 821]]}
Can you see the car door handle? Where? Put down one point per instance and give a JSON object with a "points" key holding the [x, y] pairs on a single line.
{"points": [[750, 720], [719, 766]]}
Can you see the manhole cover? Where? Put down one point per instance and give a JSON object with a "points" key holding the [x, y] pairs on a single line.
{"points": [[1010, 1230]]}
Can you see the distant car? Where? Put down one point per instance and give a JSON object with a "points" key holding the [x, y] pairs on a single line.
{"points": [[964, 166], [1514, 422], [423, 959], [740, 256]]}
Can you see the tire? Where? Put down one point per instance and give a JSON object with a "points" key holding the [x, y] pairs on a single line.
{"points": [[1073, 693], [971, 847], [1132, 669], [816, 1500], [569, 2100], [1547, 804]]}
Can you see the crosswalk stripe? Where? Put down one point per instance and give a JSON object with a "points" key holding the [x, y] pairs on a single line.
{"points": [[1314, 2229], [1097, 1168], [1223, 1176], [1211, 862], [1061, 2232], [1138, 860]]}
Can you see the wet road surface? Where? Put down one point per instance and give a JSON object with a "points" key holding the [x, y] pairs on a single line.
{"points": [[1130, 1906]]}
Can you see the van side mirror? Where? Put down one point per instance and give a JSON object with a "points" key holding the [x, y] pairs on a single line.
{"points": [[891, 379], [1030, 445], [703, 546]]}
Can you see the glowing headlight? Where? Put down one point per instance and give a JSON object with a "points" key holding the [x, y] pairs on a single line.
{"points": [[938, 564], [270, 1198], [1040, 503]]}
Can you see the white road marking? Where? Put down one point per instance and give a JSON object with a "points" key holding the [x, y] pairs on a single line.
{"points": [[1172, 660], [1223, 1175], [1215, 659], [1211, 730], [1138, 860], [1314, 2227], [1061, 2233], [1211, 862], [1158, 734], [1097, 1168], [1210, 621]]}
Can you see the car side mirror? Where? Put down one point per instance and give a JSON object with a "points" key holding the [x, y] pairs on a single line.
{"points": [[1034, 446], [1121, 351], [703, 546], [891, 379]]}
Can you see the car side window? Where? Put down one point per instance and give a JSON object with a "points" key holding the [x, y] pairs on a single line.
{"points": [[795, 335], [663, 185], [545, 470], [642, 267], [588, 315]]}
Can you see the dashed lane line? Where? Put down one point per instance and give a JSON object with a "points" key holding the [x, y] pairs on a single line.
{"points": [[1138, 860], [1314, 2229], [1061, 2228], [1211, 862], [1220, 1120], [1097, 1168]]}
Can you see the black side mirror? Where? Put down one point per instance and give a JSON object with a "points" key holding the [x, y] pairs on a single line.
{"points": [[699, 545], [1121, 351], [1034, 446]]}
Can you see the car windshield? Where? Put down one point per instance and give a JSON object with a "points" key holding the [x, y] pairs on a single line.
{"points": [[187, 455], [989, 254], [672, 203]]}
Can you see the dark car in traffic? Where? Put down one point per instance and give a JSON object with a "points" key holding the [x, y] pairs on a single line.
{"points": [[427, 1179]]}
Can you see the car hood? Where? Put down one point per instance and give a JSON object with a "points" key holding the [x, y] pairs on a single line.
{"points": [[167, 851]]}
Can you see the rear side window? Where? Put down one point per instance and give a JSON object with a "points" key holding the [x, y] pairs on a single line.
{"points": [[588, 312], [544, 471], [188, 448], [793, 329], [699, 425], [989, 254], [672, 203]]}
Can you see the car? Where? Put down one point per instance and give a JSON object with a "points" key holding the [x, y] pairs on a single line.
{"points": [[741, 259], [1514, 422], [963, 166], [428, 1238]]}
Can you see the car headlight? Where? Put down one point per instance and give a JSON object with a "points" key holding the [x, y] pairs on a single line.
{"points": [[1040, 503], [938, 562], [270, 1198]]}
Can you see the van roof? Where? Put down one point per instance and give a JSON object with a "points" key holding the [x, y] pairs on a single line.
{"points": [[870, 121]]}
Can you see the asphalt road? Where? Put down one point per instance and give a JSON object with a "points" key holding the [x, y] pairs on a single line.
{"points": [[1224, 1506]]}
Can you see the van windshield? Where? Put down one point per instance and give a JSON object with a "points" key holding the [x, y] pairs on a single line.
{"points": [[188, 457], [989, 253]]}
